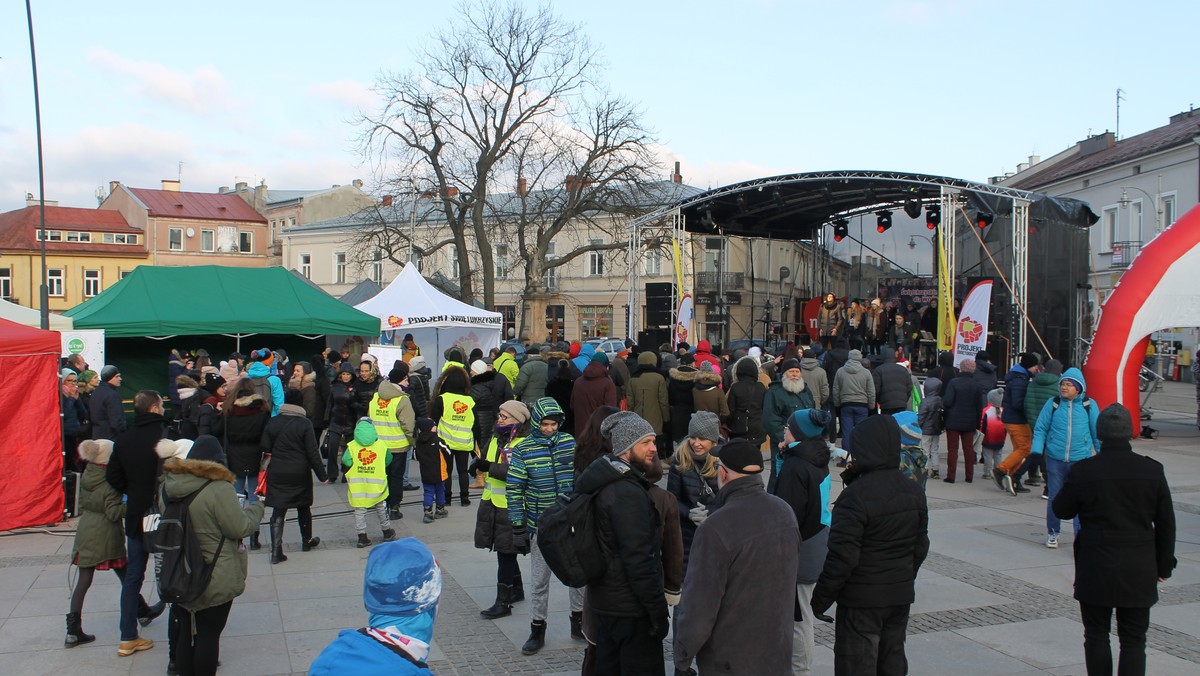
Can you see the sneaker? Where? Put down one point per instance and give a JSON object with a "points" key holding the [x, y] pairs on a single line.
{"points": [[410, 487], [998, 477], [1052, 541], [1008, 485], [1044, 495], [1033, 481], [1017, 487], [127, 648], [933, 474], [440, 513], [428, 518]]}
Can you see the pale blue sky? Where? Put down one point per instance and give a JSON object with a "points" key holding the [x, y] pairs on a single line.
{"points": [[735, 90]]}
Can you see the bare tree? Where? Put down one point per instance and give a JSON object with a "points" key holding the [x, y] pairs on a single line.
{"points": [[498, 76]]}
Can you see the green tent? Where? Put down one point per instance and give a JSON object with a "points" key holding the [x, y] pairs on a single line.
{"points": [[214, 299]]}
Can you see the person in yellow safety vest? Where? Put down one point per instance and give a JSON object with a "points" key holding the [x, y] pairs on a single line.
{"points": [[392, 414], [453, 410], [492, 528], [506, 364], [367, 459], [454, 357]]}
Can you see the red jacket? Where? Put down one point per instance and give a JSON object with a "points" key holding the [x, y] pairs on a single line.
{"points": [[590, 391], [704, 354], [993, 430]]}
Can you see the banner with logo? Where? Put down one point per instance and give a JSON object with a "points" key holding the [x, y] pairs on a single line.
{"points": [[946, 321], [970, 337], [88, 342], [685, 317]]}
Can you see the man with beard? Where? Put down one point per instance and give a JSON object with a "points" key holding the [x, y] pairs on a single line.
{"points": [[628, 604], [783, 397]]}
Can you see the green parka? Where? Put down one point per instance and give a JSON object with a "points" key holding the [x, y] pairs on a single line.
{"points": [[215, 514], [100, 533]]}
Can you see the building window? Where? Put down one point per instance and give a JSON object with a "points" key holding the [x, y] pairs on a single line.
{"points": [[292, 221], [339, 267], [501, 261], [175, 239], [245, 242], [6, 286], [79, 236], [508, 319], [208, 240], [1168, 210], [51, 235], [91, 283], [596, 260], [556, 328], [306, 265], [595, 321], [119, 238], [1108, 233], [55, 281], [417, 259], [551, 277], [126, 273], [1135, 220], [653, 266], [454, 263], [377, 266]]}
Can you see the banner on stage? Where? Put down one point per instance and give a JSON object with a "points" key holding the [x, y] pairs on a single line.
{"points": [[685, 316], [946, 322], [970, 336]]}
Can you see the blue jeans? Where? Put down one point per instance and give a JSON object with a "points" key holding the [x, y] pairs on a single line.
{"points": [[245, 485], [434, 492], [851, 416], [1056, 476], [131, 586]]}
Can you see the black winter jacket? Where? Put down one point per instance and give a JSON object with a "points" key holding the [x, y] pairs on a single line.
{"points": [[290, 440], [691, 490], [746, 403], [419, 392], [134, 467], [628, 524], [680, 384], [242, 432], [961, 403], [343, 412], [893, 382], [106, 413], [880, 531], [1126, 537], [363, 393], [1016, 384], [489, 389], [803, 484]]}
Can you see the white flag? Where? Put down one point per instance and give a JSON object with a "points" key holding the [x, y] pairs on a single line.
{"points": [[970, 336]]}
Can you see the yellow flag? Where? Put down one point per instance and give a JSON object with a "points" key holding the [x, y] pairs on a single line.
{"points": [[678, 264], [946, 321]]}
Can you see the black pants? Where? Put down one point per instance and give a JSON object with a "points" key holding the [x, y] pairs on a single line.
{"points": [[335, 444], [395, 479], [507, 569], [303, 518], [624, 646], [197, 652], [461, 460], [1132, 624], [870, 641]]}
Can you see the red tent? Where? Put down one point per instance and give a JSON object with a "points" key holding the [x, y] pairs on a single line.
{"points": [[30, 430]]}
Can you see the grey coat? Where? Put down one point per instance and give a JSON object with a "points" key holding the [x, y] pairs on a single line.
{"points": [[853, 385], [739, 595], [532, 379]]}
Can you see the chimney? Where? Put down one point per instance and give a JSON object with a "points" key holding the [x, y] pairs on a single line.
{"points": [[240, 186], [1094, 144], [1022, 166], [31, 201], [854, 260], [387, 201], [357, 183], [260, 196], [170, 184], [113, 185], [522, 187], [222, 190], [676, 177], [1034, 159]]}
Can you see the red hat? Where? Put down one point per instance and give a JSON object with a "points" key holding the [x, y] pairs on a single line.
{"points": [[574, 350]]}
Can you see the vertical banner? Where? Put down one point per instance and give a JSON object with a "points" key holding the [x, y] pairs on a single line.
{"points": [[946, 321], [970, 337], [678, 263], [684, 316]]}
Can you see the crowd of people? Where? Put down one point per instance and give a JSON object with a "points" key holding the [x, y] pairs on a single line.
{"points": [[739, 565]]}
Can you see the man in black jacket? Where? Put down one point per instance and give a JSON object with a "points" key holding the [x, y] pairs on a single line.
{"points": [[628, 604], [108, 419], [893, 383], [1125, 545], [133, 470], [878, 538]]}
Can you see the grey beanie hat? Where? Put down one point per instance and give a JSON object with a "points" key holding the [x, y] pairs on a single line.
{"points": [[624, 429], [705, 425], [1114, 424]]}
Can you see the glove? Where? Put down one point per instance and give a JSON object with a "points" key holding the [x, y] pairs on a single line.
{"points": [[819, 613], [521, 539], [473, 467], [672, 597], [698, 514], [659, 628]]}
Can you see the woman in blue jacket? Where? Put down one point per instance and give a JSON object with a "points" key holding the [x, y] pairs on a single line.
{"points": [[1066, 433]]}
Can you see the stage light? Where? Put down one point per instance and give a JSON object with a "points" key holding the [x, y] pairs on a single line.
{"points": [[983, 219], [841, 229], [912, 208], [884, 220], [933, 216]]}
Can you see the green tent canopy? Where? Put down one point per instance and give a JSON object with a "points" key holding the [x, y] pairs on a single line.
{"points": [[214, 299]]}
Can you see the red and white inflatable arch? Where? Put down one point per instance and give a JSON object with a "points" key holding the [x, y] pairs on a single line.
{"points": [[1159, 291]]}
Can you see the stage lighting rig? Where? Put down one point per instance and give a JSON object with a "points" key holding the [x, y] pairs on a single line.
{"points": [[912, 208], [884, 220], [933, 216], [841, 229], [983, 219]]}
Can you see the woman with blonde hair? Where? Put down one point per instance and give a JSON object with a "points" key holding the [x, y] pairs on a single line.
{"points": [[692, 478]]}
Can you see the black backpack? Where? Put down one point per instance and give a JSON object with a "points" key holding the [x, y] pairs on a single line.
{"points": [[189, 415], [569, 540], [262, 385], [185, 574]]}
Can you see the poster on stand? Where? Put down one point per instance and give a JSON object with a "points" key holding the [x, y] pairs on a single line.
{"points": [[88, 342], [970, 336], [685, 317]]}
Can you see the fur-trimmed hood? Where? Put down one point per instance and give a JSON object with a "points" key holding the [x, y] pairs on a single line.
{"points": [[249, 400], [184, 380], [96, 451], [707, 379], [204, 469], [685, 374], [555, 356]]}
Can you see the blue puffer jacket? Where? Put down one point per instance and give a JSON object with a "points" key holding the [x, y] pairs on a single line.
{"points": [[1015, 385], [540, 469], [260, 370], [1066, 430]]}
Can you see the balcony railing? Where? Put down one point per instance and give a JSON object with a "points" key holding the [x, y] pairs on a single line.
{"points": [[712, 281], [1123, 254]]}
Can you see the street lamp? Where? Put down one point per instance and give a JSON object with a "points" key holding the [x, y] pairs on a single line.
{"points": [[912, 244], [1158, 212]]}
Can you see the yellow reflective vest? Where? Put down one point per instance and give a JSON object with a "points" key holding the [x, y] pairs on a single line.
{"points": [[366, 479], [458, 419], [385, 416], [494, 489]]}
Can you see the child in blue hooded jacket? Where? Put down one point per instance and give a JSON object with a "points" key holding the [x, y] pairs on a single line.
{"points": [[1066, 433]]}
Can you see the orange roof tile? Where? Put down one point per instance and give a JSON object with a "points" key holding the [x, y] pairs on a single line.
{"points": [[197, 205], [18, 229]]}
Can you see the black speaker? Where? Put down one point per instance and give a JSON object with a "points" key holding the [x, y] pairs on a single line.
{"points": [[660, 296], [648, 340]]}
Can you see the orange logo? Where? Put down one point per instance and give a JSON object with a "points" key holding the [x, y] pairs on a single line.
{"points": [[366, 456], [969, 329], [395, 321], [460, 407]]}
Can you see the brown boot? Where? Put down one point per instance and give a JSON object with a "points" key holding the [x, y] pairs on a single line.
{"points": [[478, 480]]}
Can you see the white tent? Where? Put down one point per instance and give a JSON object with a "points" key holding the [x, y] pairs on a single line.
{"points": [[27, 316], [410, 304]]}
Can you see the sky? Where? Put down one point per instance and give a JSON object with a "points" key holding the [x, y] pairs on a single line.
{"points": [[220, 92]]}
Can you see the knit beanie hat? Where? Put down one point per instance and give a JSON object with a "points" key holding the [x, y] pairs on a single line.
{"points": [[207, 447], [109, 372], [574, 350], [401, 579], [517, 410], [600, 357], [86, 376], [478, 367], [389, 390], [1074, 381], [854, 355], [995, 397], [416, 363], [705, 425], [1028, 360], [808, 423], [789, 364], [624, 429], [967, 366], [212, 383], [398, 373], [910, 431], [1054, 366], [347, 367], [1114, 424], [738, 455]]}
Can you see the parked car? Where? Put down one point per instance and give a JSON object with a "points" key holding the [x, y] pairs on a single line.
{"points": [[609, 346]]}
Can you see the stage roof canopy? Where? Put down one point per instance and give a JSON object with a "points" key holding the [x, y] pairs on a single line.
{"points": [[797, 206]]}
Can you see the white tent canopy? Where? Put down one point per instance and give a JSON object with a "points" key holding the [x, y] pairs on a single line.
{"points": [[27, 316], [410, 304]]}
